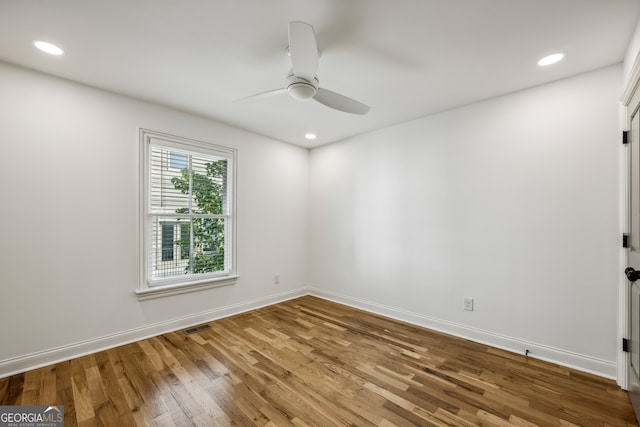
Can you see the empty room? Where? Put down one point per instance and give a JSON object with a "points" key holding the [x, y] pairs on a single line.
{"points": [[320, 213]]}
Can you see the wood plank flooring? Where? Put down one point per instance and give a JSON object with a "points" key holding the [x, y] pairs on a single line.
{"points": [[310, 362]]}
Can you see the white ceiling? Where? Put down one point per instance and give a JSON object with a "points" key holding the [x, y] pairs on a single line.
{"points": [[404, 58]]}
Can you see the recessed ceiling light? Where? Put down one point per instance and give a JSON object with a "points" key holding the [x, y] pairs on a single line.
{"points": [[310, 135], [48, 47], [551, 59]]}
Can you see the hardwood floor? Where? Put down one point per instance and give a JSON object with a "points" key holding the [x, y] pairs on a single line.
{"points": [[310, 362]]}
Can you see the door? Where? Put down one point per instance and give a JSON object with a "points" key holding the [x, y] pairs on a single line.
{"points": [[633, 252]]}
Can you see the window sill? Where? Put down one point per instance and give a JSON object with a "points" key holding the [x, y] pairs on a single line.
{"points": [[183, 288]]}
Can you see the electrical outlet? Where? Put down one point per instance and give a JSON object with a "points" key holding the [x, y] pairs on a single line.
{"points": [[468, 304], [276, 279]]}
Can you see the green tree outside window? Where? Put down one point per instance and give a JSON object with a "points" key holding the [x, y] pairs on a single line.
{"points": [[208, 195]]}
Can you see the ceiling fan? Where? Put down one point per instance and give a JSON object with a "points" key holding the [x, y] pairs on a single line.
{"points": [[302, 80]]}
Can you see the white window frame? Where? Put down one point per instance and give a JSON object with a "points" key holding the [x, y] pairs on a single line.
{"points": [[181, 284]]}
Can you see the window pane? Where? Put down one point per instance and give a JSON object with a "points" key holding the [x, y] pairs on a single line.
{"points": [[209, 185], [207, 246], [198, 189], [164, 262], [167, 242], [185, 240], [166, 195], [177, 160]]}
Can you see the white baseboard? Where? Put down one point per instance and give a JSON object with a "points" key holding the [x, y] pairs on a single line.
{"points": [[36, 360], [47, 357], [603, 368]]}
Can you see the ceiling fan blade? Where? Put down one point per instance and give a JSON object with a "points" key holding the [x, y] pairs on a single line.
{"points": [[340, 102], [262, 95], [303, 49]]}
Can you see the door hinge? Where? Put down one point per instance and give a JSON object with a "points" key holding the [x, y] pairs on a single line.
{"points": [[625, 345], [625, 136], [625, 240]]}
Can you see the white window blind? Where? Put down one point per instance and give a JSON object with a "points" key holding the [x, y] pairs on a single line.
{"points": [[188, 210]]}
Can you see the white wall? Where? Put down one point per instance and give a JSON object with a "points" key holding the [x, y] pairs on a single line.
{"points": [[69, 260], [512, 201]]}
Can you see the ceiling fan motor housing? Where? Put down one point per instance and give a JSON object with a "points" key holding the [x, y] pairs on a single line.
{"points": [[300, 88]]}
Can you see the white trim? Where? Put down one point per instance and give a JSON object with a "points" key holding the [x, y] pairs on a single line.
{"points": [[623, 360], [603, 368], [632, 83], [39, 359], [183, 288], [623, 290]]}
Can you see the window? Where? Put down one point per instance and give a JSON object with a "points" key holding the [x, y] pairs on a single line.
{"points": [[188, 215]]}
